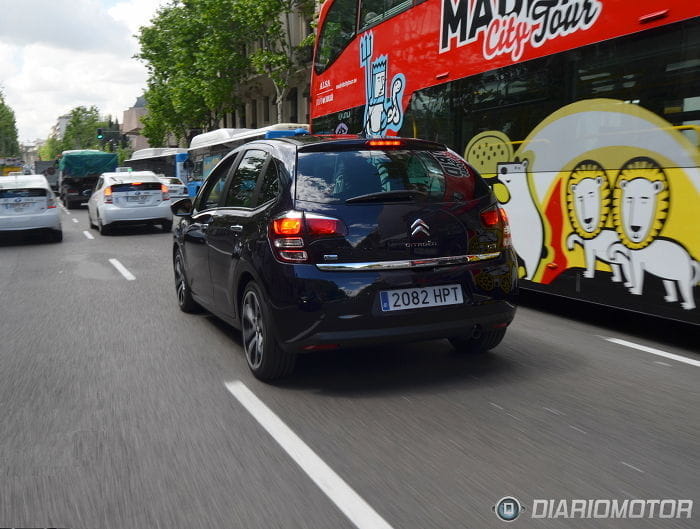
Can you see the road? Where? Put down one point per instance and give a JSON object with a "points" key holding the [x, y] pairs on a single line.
{"points": [[119, 411]]}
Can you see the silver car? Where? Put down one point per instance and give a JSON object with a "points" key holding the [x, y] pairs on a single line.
{"points": [[27, 203], [176, 187], [137, 197]]}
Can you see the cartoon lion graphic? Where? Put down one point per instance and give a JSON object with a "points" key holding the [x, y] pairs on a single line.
{"points": [[588, 206], [640, 208], [643, 185]]}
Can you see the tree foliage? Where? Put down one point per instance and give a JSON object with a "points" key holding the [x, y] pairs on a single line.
{"points": [[81, 133], [9, 143], [200, 52], [194, 55], [81, 129], [277, 57], [51, 148]]}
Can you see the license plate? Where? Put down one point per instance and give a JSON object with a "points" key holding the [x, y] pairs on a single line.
{"points": [[17, 206], [415, 298], [141, 198]]}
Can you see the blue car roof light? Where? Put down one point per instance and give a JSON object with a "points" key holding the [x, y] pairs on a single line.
{"points": [[284, 133]]}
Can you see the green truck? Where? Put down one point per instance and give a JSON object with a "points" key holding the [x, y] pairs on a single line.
{"points": [[78, 172]]}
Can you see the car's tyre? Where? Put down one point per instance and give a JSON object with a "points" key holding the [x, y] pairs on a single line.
{"points": [[56, 235], [104, 229], [182, 288], [480, 343], [167, 225], [266, 359]]}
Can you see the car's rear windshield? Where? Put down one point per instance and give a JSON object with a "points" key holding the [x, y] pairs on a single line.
{"points": [[22, 192], [143, 186], [336, 177], [173, 181]]}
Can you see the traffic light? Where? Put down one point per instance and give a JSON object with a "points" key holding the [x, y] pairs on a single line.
{"points": [[100, 134]]}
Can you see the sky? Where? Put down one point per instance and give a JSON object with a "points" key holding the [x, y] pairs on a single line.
{"points": [[56, 55]]}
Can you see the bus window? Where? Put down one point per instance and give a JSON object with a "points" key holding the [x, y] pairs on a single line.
{"points": [[338, 30], [374, 11]]}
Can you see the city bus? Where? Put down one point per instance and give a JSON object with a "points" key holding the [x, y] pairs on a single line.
{"points": [[583, 115], [168, 161], [208, 148]]}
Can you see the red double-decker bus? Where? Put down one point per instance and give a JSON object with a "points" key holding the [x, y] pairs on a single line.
{"points": [[584, 115]]}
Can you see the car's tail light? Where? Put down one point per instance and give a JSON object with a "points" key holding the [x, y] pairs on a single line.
{"points": [[507, 240], [495, 217], [318, 225], [108, 195], [287, 225], [50, 203], [291, 232], [164, 190], [490, 217]]}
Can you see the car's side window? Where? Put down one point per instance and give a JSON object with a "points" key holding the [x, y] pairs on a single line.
{"points": [[99, 183], [242, 189], [269, 187], [214, 187]]}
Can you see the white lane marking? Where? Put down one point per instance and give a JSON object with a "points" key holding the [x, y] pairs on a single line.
{"points": [[346, 499], [632, 467], [662, 363], [122, 270], [552, 410], [658, 352], [88, 234], [496, 405], [75, 220], [578, 429]]}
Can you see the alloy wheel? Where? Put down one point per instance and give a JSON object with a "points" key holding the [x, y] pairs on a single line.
{"points": [[253, 330], [180, 284]]}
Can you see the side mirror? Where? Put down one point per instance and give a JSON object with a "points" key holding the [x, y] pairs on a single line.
{"points": [[182, 207]]}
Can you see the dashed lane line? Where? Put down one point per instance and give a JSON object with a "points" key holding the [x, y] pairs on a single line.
{"points": [[651, 350], [632, 467], [122, 270], [358, 511], [88, 234]]}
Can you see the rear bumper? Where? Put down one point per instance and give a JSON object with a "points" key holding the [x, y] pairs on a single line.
{"points": [[314, 308], [160, 213], [448, 324], [48, 219]]}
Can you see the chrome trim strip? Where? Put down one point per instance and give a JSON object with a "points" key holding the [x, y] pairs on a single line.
{"points": [[409, 264]]}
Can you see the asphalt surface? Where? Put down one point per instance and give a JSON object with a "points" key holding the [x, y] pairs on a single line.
{"points": [[116, 411]]}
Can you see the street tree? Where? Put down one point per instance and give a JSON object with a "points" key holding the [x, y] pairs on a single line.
{"points": [[9, 143], [195, 56], [269, 30], [51, 148], [80, 130]]}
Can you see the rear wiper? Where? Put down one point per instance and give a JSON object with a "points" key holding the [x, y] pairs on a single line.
{"points": [[400, 194]]}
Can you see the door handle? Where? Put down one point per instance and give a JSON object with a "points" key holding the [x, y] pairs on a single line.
{"points": [[236, 228]]}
